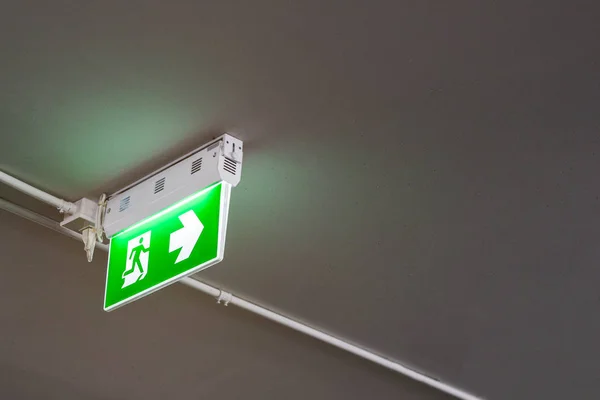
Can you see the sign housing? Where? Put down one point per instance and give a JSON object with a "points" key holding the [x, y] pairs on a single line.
{"points": [[216, 161], [171, 223]]}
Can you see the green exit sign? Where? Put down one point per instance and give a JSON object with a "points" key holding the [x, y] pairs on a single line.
{"points": [[180, 240]]}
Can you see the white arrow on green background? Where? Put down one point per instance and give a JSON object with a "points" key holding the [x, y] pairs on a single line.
{"points": [[186, 237]]}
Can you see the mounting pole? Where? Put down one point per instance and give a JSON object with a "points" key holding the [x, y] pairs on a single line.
{"points": [[62, 205]]}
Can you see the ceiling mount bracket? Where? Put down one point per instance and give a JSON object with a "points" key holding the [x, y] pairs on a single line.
{"points": [[88, 219]]}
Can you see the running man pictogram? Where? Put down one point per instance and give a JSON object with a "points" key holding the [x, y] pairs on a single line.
{"points": [[135, 253], [136, 265]]}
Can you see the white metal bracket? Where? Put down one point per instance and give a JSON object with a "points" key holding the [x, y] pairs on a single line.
{"points": [[87, 219], [224, 297]]}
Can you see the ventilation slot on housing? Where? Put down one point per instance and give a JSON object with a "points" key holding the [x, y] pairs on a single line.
{"points": [[196, 165], [159, 185], [229, 166], [124, 204]]}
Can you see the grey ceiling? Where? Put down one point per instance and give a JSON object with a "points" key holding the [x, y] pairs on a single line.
{"points": [[419, 177]]}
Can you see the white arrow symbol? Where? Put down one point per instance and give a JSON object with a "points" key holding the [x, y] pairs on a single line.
{"points": [[186, 237]]}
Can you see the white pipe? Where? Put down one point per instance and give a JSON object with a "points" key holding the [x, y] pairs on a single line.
{"points": [[201, 286], [359, 351], [228, 298], [39, 219], [62, 205]]}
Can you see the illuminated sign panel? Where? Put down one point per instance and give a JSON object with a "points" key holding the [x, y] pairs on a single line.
{"points": [[178, 241]]}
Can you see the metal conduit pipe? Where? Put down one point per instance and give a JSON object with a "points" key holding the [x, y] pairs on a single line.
{"points": [[228, 298], [62, 205]]}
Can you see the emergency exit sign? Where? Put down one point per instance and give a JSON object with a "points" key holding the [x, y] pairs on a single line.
{"points": [[178, 241]]}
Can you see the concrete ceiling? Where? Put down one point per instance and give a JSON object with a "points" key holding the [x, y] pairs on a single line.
{"points": [[419, 178]]}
